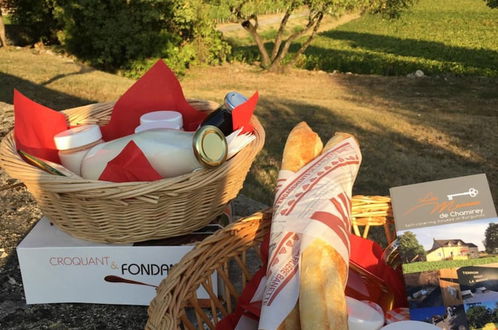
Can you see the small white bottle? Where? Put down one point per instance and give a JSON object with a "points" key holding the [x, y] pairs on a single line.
{"points": [[74, 143], [170, 152]]}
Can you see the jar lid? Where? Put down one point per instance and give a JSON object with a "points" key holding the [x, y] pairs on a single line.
{"points": [[167, 119], [234, 99], [210, 146], [77, 137]]}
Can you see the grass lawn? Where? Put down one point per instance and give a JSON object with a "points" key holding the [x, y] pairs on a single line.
{"points": [[55, 81], [423, 266], [443, 36]]}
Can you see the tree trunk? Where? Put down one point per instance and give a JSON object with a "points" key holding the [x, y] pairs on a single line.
{"points": [[3, 39], [307, 42], [278, 38], [313, 23], [252, 28]]}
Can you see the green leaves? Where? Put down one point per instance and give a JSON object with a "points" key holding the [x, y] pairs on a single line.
{"points": [[491, 238], [409, 248], [119, 35]]}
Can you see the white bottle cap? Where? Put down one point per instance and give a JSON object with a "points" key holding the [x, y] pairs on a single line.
{"points": [[411, 325], [362, 316], [148, 126], [77, 137], [167, 119]]}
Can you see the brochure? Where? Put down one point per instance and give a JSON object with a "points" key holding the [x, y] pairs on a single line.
{"points": [[448, 241]]}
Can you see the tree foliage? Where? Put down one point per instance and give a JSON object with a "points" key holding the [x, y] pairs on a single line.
{"points": [[124, 34], [491, 238], [492, 3], [410, 248], [479, 316], [274, 57], [35, 17]]}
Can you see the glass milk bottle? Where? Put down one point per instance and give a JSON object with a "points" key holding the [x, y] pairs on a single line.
{"points": [[170, 152]]}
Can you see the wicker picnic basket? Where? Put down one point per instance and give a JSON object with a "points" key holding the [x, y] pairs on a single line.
{"points": [[133, 211], [233, 253]]}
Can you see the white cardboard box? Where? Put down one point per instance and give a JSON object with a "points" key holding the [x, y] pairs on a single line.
{"points": [[57, 268]]}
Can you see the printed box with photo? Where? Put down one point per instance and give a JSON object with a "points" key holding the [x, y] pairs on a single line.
{"points": [[446, 232]]}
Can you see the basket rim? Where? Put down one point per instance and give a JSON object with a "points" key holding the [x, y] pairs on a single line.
{"points": [[10, 161]]}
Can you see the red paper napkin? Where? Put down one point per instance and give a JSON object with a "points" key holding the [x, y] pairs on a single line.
{"points": [[129, 166], [241, 115], [35, 126], [158, 89]]}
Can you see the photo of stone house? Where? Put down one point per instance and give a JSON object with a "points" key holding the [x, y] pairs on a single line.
{"points": [[451, 249]]}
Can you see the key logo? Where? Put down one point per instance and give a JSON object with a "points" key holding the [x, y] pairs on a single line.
{"points": [[472, 193]]}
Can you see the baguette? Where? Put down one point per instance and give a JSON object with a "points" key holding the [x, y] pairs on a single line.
{"points": [[322, 302], [301, 147], [336, 139]]}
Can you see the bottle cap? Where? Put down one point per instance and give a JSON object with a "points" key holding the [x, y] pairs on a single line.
{"points": [[77, 137], [149, 126], [210, 146], [234, 99], [165, 119]]}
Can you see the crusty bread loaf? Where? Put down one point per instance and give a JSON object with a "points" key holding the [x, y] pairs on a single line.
{"points": [[322, 303], [302, 146], [336, 139]]}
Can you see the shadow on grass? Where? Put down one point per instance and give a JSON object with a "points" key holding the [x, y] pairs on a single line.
{"points": [[83, 69], [37, 92], [375, 54], [458, 117], [390, 158]]}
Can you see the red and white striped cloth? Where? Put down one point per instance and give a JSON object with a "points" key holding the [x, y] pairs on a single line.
{"points": [[397, 314]]}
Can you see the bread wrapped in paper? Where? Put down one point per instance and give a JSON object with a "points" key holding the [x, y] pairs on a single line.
{"points": [[301, 147], [322, 301], [336, 139], [323, 271]]}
